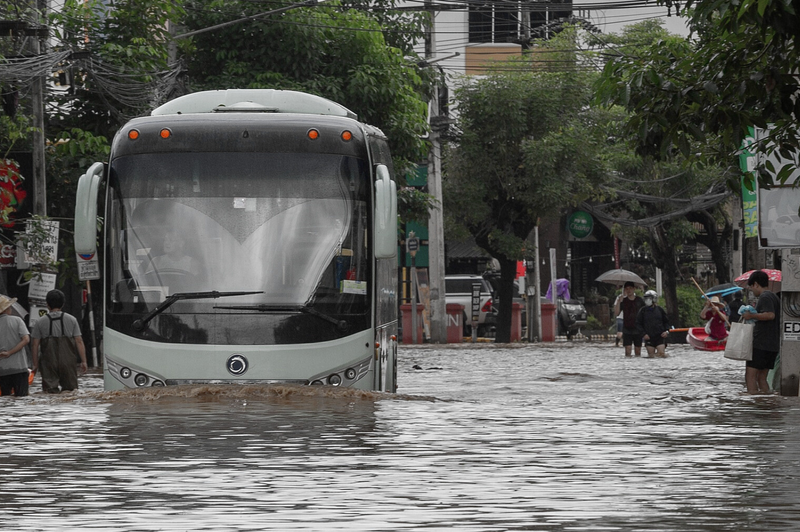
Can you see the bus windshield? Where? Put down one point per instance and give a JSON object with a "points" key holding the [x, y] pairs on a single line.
{"points": [[285, 225]]}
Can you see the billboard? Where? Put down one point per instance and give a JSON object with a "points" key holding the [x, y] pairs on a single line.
{"points": [[778, 205]]}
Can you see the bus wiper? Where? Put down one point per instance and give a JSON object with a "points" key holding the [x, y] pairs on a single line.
{"points": [[306, 309], [170, 300]]}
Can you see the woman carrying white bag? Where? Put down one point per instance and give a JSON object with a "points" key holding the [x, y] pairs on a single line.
{"points": [[766, 334]]}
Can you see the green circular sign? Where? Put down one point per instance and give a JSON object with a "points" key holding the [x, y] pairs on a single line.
{"points": [[580, 224]]}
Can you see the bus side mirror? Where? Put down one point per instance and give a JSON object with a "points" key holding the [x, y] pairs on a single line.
{"points": [[86, 211], [385, 220]]}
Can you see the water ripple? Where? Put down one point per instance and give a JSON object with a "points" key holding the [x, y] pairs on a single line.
{"points": [[557, 437]]}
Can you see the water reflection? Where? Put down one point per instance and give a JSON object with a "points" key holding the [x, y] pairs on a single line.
{"points": [[544, 438]]}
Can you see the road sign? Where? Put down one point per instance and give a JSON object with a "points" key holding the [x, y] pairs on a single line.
{"points": [[412, 245], [476, 302]]}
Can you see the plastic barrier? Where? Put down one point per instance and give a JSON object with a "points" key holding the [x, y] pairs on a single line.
{"points": [[548, 322], [516, 322], [408, 338], [455, 323]]}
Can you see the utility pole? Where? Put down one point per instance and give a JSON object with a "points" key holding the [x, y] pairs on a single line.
{"points": [[535, 306], [438, 308], [37, 92]]}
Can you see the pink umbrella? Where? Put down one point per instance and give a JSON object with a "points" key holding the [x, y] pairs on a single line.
{"points": [[773, 275]]}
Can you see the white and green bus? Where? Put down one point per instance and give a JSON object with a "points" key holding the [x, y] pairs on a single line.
{"points": [[249, 236]]}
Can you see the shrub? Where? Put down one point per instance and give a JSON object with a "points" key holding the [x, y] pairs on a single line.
{"points": [[690, 303], [593, 324]]}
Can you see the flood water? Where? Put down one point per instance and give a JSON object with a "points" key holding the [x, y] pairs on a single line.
{"points": [[544, 437]]}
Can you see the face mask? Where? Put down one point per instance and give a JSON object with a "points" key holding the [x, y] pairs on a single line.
{"points": [[648, 302]]}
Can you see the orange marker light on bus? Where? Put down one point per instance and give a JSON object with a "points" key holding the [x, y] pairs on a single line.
{"points": [[133, 134], [313, 134], [347, 136], [165, 133]]}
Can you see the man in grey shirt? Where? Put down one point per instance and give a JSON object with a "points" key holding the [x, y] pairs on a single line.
{"points": [[59, 336], [13, 362]]}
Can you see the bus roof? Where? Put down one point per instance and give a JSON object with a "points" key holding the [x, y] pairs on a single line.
{"points": [[253, 101]]}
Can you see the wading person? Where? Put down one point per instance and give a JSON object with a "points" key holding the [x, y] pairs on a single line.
{"points": [[13, 362], [629, 304], [654, 325], [766, 334], [59, 336], [735, 305]]}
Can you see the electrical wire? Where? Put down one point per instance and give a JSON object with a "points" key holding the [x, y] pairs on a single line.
{"points": [[23, 70]]}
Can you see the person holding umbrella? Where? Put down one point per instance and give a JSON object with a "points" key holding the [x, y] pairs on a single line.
{"points": [[629, 304]]}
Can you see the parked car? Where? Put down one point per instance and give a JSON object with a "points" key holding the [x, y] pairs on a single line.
{"points": [[458, 289], [571, 315], [786, 228]]}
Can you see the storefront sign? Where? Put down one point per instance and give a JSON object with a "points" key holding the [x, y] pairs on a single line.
{"points": [[580, 224]]}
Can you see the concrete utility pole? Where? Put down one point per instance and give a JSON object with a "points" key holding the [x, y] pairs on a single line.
{"points": [[789, 369], [438, 308], [534, 301], [37, 92]]}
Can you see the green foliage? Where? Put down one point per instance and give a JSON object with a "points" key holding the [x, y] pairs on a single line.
{"points": [[129, 45], [12, 131], [658, 196], [593, 324], [329, 50], [700, 96], [529, 146], [69, 156], [689, 306], [414, 205]]}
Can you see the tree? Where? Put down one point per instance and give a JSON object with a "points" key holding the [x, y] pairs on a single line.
{"points": [[119, 68], [702, 95], [333, 51], [658, 194], [654, 203], [529, 145]]}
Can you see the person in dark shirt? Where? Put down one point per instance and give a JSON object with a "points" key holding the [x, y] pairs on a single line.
{"points": [[629, 304], [735, 305], [653, 323], [766, 334]]}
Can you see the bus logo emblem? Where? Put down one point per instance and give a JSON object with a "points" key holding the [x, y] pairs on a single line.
{"points": [[237, 365]]}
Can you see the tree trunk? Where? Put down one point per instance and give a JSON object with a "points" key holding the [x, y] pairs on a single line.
{"points": [[508, 271], [666, 259], [715, 240]]}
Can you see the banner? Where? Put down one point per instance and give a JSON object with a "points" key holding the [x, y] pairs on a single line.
{"points": [[747, 163]]}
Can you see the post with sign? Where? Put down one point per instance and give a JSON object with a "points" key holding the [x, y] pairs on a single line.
{"points": [[789, 369], [412, 246], [476, 310]]}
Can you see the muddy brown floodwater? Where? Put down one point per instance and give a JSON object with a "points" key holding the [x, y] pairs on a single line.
{"points": [[545, 437]]}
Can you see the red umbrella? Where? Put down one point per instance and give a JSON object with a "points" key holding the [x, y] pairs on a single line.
{"points": [[773, 275]]}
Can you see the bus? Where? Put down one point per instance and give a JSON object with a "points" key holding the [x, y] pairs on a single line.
{"points": [[248, 237]]}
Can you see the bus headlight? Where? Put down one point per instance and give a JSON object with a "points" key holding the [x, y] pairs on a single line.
{"points": [[157, 383], [334, 380], [317, 383], [140, 379], [350, 374], [125, 373]]}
